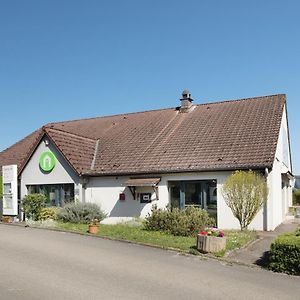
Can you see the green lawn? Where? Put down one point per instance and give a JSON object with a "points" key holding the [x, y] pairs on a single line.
{"points": [[235, 239]]}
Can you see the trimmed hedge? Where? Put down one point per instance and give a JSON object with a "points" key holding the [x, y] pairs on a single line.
{"points": [[285, 254], [185, 222]]}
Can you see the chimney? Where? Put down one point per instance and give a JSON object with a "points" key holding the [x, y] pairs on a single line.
{"points": [[186, 101]]}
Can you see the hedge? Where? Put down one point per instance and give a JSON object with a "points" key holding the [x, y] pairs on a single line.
{"points": [[285, 254], [185, 222]]}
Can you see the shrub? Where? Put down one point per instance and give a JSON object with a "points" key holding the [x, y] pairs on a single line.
{"points": [[184, 222], [245, 193], [296, 197], [80, 213], [33, 204], [48, 213], [285, 253]]}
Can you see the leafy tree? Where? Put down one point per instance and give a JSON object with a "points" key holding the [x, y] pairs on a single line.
{"points": [[245, 192]]}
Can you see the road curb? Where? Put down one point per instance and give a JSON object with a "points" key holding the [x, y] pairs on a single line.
{"points": [[179, 251]]}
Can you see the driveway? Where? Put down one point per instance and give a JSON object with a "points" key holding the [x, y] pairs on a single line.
{"points": [[41, 264]]}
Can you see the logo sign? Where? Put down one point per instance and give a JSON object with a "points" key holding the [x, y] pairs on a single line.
{"points": [[47, 161]]}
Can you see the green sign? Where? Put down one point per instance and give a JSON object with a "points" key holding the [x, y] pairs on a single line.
{"points": [[47, 161]]}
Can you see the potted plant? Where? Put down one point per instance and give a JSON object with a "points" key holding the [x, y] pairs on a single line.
{"points": [[7, 219], [94, 226], [211, 240]]}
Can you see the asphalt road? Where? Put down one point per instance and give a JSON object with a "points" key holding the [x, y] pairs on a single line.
{"points": [[40, 264]]}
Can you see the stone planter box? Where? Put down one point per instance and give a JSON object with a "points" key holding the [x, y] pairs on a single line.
{"points": [[207, 243]]}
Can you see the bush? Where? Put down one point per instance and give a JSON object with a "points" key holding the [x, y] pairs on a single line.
{"points": [[33, 205], [285, 254], [80, 213], [48, 213], [296, 197], [245, 193], [186, 222]]}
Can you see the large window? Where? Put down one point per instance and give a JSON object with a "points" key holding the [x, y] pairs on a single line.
{"points": [[200, 193], [57, 194]]}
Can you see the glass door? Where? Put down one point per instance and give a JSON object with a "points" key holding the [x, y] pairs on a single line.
{"points": [[193, 194]]}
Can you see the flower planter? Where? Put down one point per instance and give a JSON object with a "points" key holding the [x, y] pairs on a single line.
{"points": [[208, 243], [93, 229], [7, 219]]}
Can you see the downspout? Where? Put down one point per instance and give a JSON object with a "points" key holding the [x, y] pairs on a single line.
{"points": [[265, 207]]}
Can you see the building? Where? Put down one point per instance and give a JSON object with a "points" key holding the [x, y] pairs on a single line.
{"points": [[179, 156]]}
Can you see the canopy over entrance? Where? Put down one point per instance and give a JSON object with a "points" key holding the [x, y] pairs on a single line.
{"points": [[142, 181], [132, 183]]}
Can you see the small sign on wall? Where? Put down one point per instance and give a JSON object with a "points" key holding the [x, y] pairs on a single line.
{"points": [[122, 197], [145, 197]]}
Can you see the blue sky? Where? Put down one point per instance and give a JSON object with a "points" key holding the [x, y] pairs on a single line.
{"points": [[68, 59]]}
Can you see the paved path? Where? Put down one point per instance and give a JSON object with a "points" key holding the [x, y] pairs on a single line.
{"points": [[257, 252], [42, 264]]}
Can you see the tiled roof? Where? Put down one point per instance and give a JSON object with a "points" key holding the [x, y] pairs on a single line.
{"points": [[214, 136], [20, 151], [78, 151]]}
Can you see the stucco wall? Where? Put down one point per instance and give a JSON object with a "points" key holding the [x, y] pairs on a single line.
{"points": [[105, 192], [279, 200], [62, 172]]}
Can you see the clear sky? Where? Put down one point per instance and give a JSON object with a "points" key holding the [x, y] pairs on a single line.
{"points": [[70, 59]]}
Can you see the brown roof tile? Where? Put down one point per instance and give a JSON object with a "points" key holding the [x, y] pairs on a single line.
{"points": [[224, 135], [20, 151]]}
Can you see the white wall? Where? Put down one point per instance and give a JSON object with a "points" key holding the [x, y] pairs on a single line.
{"points": [[277, 205], [105, 192], [62, 172]]}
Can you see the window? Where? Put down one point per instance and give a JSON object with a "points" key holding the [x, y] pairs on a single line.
{"points": [[57, 194], [199, 193]]}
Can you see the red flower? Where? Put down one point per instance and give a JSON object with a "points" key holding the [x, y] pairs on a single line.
{"points": [[203, 233]]}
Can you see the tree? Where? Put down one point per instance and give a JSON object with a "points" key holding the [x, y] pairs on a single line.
{"points": [[245, 192]]}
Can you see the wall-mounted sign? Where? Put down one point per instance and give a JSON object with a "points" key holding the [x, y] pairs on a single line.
{"points": [[10, 190], [145, 197], [47, 161]]}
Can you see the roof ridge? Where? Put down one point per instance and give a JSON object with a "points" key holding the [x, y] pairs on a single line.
{"points": [[69, 133], [240, 99], [36, 131], [163, 109], [115, 115]]}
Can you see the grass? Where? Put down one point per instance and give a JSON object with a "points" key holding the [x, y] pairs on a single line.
{"points": [[235, 239]]}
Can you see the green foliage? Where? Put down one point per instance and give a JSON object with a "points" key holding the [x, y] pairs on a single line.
{"points": [[234, 239], [80, 213], [48, 213], [186, 222], [296, 196], [33, 205], [245, 192], [285, 253]]}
